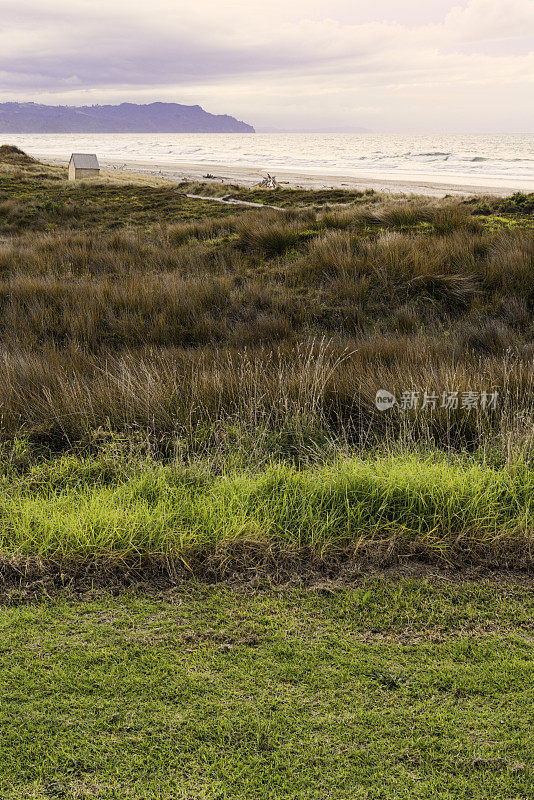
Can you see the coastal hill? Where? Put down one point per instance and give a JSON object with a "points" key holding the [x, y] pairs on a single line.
{"points": [[124, 118]]}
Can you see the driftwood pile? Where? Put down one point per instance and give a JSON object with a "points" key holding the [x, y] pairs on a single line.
{"points": [[269, 182]]}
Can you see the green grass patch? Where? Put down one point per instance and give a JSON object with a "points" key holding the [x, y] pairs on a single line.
{"points": [[37, 202], [394, 690], [496, 222], [80, 508]]}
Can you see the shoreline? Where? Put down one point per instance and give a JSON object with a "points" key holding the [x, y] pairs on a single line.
{"points": [[249, 176]]}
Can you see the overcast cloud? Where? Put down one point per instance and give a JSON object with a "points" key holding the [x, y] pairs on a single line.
{"points": [[390, 65]]}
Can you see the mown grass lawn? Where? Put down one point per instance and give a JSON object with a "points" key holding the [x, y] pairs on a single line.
{"points": [[392, 689]]}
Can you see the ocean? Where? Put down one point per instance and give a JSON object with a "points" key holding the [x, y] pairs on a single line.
{"points": [[484, 160]]}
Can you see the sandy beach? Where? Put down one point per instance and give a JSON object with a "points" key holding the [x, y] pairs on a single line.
{"points": [[249, 176]]}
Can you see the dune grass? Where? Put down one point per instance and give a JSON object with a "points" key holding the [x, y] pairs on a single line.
{"points": [[128, 305], [255, 342]]}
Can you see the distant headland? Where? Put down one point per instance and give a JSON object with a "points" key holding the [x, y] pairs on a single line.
{"points": [[123, 118]]}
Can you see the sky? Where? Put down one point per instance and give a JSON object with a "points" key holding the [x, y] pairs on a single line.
{"points": [[399, 66]]}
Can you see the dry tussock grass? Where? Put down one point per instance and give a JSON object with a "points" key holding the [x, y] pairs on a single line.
{"points": [[315, 393], [201, 322]]}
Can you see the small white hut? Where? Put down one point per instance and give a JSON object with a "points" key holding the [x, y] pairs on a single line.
{"points": [[83, 165]]}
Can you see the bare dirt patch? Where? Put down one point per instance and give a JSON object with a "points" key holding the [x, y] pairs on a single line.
{"points": [[30, 580]]}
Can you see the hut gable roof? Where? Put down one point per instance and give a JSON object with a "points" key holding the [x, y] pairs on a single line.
{"points": [[84, 161]]}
